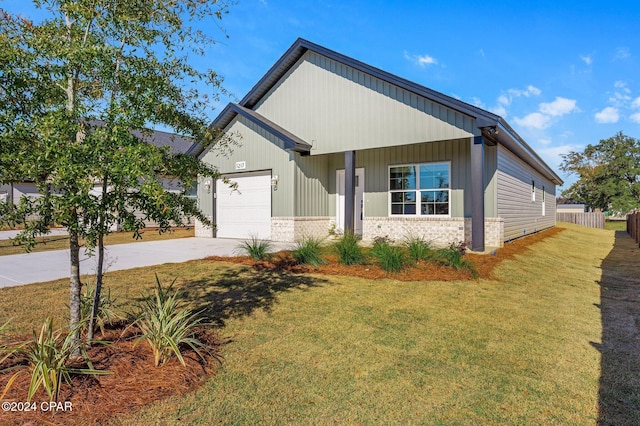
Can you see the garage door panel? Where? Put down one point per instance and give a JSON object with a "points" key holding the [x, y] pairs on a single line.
{"points": [[245, 211]]}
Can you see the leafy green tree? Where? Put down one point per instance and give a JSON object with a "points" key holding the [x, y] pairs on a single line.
{"points": [[608, 174], [78, 91]]}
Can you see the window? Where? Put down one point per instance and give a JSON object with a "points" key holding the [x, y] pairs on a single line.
{"points": [[419, 189], [533, 191], [544, 210]]}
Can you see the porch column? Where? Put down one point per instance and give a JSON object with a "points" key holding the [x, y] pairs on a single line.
{"points": [[477, 193], [349, 190]]}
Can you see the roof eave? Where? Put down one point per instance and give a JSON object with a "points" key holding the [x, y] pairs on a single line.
{"points": [[510, 139]]}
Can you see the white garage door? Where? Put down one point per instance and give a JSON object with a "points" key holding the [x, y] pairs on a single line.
{"points": [[245, 211]]}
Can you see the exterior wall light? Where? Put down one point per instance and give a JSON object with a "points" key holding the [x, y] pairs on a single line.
{"points": [[274, 182]]}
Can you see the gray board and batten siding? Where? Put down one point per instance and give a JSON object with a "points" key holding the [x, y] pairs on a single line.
{"points": [[260, 151], [364, 111]]}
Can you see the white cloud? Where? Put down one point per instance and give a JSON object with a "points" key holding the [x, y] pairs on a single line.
{"points": [[534, 120], [504, 100], [608, 115], [529, 91], [636, 103], [499, 110], [635, 117], [478, 102], [544, 141], [621, 85], [560, 106], [421, 60], [587, 59], [622, 53]]}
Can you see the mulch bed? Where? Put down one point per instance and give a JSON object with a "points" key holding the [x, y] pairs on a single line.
{"points": [[484, 264], [135, 382]]}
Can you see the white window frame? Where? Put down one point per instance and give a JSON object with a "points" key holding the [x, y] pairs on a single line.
{"points": [[533, 191], [418, 189], [544, 207]]}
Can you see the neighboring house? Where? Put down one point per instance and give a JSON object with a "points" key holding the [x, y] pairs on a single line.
{"points": [[329, 142], [176, 143]]}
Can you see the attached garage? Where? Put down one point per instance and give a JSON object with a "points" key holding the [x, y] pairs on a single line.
{"points": [[244, 211]]}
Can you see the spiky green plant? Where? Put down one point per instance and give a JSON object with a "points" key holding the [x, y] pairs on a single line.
{"points": [[390, 258], [349, 252], [48, 356], [453, 256], [106, 312], [307, 252], [256, 248], [418, 249], [166, 324]]}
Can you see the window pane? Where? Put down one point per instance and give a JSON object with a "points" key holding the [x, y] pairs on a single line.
{"points": [[427, 196], [397, 197], [402, 177], [409, 209], [396, 208], [441, 196], [434, 176], [442, 208]]}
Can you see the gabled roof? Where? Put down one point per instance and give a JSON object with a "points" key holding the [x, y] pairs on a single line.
{"points": [[501, 131], [178, 144], [291, 141]]}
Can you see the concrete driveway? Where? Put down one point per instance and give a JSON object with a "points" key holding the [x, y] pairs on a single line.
{"points": [[7, 235], [20, 269]]}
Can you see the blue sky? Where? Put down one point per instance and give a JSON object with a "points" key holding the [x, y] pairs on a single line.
{"points": [[563, 74]]}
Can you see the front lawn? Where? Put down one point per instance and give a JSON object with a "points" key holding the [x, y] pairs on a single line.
{"points": [[518, 348]]}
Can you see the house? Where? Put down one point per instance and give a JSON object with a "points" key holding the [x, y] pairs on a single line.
{"points": [[328, 142], [178, 144]]}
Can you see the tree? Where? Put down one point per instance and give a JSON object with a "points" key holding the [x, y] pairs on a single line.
{"points": [[76, 92], [608, 174]]}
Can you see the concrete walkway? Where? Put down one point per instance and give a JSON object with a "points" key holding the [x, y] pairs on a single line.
{"points": [[20, 269]]}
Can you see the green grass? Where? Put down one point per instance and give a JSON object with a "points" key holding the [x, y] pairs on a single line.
{"points": [[310, 349], [61, 242], [616, 225]]}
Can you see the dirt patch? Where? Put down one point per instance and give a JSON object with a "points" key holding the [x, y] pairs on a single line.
{"points": [[133, 384], [423, 271]]}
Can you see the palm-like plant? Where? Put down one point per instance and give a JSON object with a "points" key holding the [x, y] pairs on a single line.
{"points": [[49, 355], [166, 324]]}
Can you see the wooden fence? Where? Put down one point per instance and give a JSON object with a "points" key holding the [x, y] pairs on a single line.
{"points": [[592, 220], [633, 225]]}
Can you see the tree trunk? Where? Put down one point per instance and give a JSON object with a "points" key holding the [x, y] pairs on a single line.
{"points": [[75, 289], [99, 268]]}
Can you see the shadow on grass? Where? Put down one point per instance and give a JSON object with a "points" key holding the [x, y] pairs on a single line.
{"points": [[235, 292], [619, 393]]}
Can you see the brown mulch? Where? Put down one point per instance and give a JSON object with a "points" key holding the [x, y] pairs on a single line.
{"points": [[133, 384], [484, 264]]}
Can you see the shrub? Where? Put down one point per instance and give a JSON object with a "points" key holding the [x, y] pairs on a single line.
{"points": [[307, 252], [391, 258], [48, 357], [106, 308], [256, 248], [418, 249], [166, 325], [453, 256], [349, 252]]}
